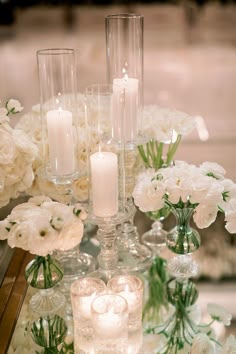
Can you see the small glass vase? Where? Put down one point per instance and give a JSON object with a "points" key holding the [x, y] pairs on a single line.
{"points": [[155, 238], [183, 239], [43, 273]]}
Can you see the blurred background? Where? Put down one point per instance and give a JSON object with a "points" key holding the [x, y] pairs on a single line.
{"points": [[189, 65]]}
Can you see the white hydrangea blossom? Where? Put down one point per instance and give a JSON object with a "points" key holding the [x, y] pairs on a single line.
{"points": [[41, 226]]}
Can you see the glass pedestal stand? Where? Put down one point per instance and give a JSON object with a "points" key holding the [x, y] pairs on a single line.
{"points": [[108, 256], [133, 256]]}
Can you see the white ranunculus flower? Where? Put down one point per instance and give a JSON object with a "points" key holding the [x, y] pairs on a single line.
{"points": [[20, 233], [148, 195], [212, 168], [230, 217], [229, 193], [7, 147], [202, 344], [60, 211], [229, 347], [183, 123], [205, 215], [14, 106], [219, 313], [71, 235]]}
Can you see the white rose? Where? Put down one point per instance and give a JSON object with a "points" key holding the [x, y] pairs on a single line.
{"points": [[7, 147], [202, 344], [24, 144], [14, 106], [205, 215], [27, 179], [219, 313], [80, 188]]}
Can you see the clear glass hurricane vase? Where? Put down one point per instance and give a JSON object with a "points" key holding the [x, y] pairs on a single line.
{"points": [[124, 49]]}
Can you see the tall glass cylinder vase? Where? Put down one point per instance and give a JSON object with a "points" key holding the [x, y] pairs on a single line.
{"points": [[58, 101], [104, 105], [124, 51], [57, 83]]}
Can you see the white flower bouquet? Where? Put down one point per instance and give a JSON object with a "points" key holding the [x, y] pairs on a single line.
{"points": [[204, 189], [42, 226], [164, 129], [17, 153]]}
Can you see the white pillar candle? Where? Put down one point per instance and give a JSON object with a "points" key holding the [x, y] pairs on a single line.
{"points": [[60, 141], [131, 87], [104, 179]]}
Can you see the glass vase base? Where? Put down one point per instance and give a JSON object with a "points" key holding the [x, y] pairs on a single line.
{"points": [[183, 266], [47, 302], [155, 238]]}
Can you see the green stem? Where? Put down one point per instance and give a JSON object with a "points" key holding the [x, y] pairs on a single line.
{"points": [[172, 150]]}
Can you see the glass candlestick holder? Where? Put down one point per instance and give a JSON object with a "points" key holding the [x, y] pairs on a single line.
{"points": [[104, 105]]}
